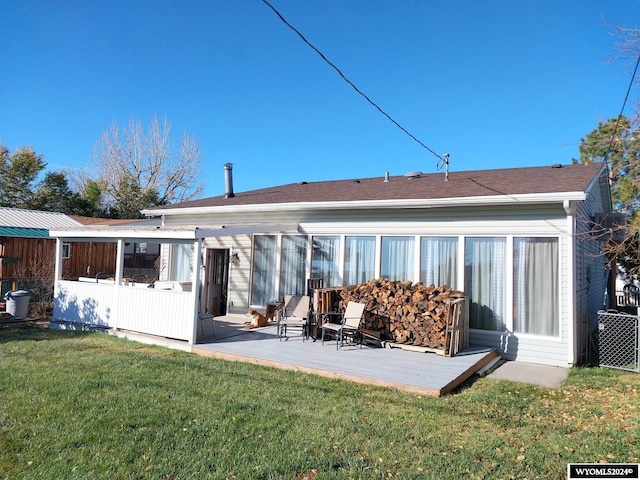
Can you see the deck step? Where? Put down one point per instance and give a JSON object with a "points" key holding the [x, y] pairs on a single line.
{"points": [[489, 366]]}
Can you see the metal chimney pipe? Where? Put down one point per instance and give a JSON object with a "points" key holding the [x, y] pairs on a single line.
{"points": [[228, 180], [386, 177]]}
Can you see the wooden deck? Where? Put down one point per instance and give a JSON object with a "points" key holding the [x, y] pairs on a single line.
{"points": [[421, 373]]}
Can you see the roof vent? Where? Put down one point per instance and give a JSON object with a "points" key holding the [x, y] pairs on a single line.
{"points": [[556, 165], [356, 181], [386, 177], [302, 183], [413, 174]]}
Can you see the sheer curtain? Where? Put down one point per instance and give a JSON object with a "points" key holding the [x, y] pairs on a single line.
{"points": [[438, 261], [485, 282], [264, 269], [181, 262], [359, 260], [535, 286], [325, 260], [397, 258], [293, 271]]}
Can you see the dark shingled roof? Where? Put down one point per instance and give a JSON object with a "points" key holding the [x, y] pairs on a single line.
{"points": [[511, 181], [95, 221]]}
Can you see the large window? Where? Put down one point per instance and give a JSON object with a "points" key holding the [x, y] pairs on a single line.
{"points": [[397, 258], [531, 275], [439, 261], [485, 282], [293, 271], [535, 286], [324, 261], [359, 259], [181, 263], [264, 269]]}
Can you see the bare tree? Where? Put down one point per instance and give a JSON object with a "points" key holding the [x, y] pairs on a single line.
{"points": [[136, 169], [627, 46], [39, 273], [617, 143]]}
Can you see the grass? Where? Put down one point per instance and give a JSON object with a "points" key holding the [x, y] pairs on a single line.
{"points": [[78, 405]]}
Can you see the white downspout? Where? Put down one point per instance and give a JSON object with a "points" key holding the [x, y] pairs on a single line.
{"points": [[570, 260]]}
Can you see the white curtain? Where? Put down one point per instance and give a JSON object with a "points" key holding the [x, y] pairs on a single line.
{"points": [[397, 258], [485, 282], [438, 261], [535, 286], [293, 263], [264, 269], [181, 262], [325, 260], [359, 261]]}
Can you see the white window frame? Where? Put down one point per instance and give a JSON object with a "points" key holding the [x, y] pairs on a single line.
{"points": [[509, 251]]}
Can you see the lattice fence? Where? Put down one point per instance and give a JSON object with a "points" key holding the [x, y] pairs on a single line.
{"points": [[618, 340]]}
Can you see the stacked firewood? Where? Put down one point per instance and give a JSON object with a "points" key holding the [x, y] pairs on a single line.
{"points": [[406, 313]]}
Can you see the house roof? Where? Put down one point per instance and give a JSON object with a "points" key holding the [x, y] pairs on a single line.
{"points": [[16, 222], [24, 232], [471, 185], [113, 222]]}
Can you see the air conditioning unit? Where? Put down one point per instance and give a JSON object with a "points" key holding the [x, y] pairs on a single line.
{"points": [[609, 227]]}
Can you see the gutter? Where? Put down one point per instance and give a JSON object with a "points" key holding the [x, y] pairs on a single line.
{"points": [[375, 204]]}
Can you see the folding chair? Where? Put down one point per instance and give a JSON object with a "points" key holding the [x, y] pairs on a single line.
{"points": [[349, 325], [294, 314]]}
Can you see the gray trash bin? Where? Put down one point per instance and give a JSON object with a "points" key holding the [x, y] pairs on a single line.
{"points": [[17, 303]]}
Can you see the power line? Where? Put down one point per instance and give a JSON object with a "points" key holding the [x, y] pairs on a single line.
{"points": [[624, 103], [346, 79]]}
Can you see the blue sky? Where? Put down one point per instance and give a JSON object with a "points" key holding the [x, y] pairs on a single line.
{"points": [[495, 83]]}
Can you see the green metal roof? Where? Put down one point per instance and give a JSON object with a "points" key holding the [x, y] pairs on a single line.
{"points": [[24, 232]]}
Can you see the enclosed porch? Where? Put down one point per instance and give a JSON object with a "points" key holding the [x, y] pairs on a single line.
{"points": [[173, 304]]}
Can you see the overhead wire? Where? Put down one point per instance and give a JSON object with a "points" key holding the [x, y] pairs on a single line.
{"points": [[624, 103], [347, 80]]}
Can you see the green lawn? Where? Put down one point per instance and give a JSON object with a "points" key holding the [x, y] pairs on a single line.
{"points": [[90, 406]]}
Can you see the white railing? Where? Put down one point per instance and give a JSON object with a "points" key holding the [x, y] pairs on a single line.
{"points": [[165, 313], [629, 297]]}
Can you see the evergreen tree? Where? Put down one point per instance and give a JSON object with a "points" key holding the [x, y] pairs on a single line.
{"points": [[18, 176]]}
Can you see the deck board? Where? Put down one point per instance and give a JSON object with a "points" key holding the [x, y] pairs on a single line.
{"points": [[420, 373]]}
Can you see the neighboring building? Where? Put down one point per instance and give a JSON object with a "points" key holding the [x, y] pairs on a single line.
{"points": [[28, 251], [140, 258], [25, 246], [516, 241]]}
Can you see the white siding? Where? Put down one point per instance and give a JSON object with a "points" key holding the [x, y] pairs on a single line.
{"points": [[525, 348], [590, 269], [239, 275], [139, 309]]}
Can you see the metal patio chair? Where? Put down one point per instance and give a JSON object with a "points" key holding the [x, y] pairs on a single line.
{"points": [[349, 325], [294, 314]]}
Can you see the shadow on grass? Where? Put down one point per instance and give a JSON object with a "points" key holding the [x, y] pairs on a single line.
{"points": [[33, 332]]}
